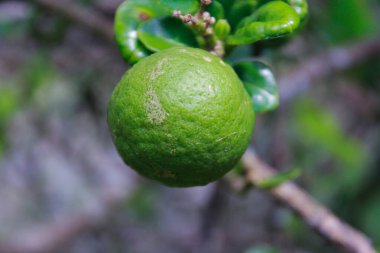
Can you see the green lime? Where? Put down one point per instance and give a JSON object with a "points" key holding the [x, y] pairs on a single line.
{"points": [[181, 116]]}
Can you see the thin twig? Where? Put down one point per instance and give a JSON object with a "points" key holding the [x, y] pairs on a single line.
{"points": [[82, 16], [316, 216], [324, 65]]}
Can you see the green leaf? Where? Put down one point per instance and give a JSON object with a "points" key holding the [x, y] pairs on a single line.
{"points": [[300, 6], [162, 33], [239, 54], [260, 84], [272, 20], [185, 6], [280, 178], [227, 4], [129, 15], [216, 10], [240, 10]]}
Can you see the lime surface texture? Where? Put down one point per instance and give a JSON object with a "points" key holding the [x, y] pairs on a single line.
{"points": [[181, 116]]}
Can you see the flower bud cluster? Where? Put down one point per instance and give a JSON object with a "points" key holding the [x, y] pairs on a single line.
{"points": [[203, 24], [203, 21]]}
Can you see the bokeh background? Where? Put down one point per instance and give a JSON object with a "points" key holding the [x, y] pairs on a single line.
{"points": [[63, 188]]}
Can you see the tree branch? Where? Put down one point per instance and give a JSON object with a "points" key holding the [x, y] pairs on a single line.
{"points": [[323, 65], [82, 16], [315, 215]]}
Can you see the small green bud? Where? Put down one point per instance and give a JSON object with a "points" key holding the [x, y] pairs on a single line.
{"points": [[222, 29]]}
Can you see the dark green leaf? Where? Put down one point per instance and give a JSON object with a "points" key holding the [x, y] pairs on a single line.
{"points": [[162, 33], [216, 10], [240, 10], [129, 16], [185, 6], [239, 53], [272, 20], [260, 84], [280, 178], [227, 4]]}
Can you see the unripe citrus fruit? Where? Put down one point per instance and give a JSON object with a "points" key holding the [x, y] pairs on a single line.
{"points": [[181, 116]]}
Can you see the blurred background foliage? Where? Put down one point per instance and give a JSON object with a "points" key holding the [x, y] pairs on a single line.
{"points": [[56, 157]]}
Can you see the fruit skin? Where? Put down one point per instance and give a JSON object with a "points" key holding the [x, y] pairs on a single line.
{"points": [[181, 116]]}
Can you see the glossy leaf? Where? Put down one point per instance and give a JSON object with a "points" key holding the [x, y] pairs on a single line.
{"points": [[216, 10], [280, 178], [260, 84], [162, 33], [300, 6], [272, 20], [129, 16], [185, 6], [240, 10]]}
